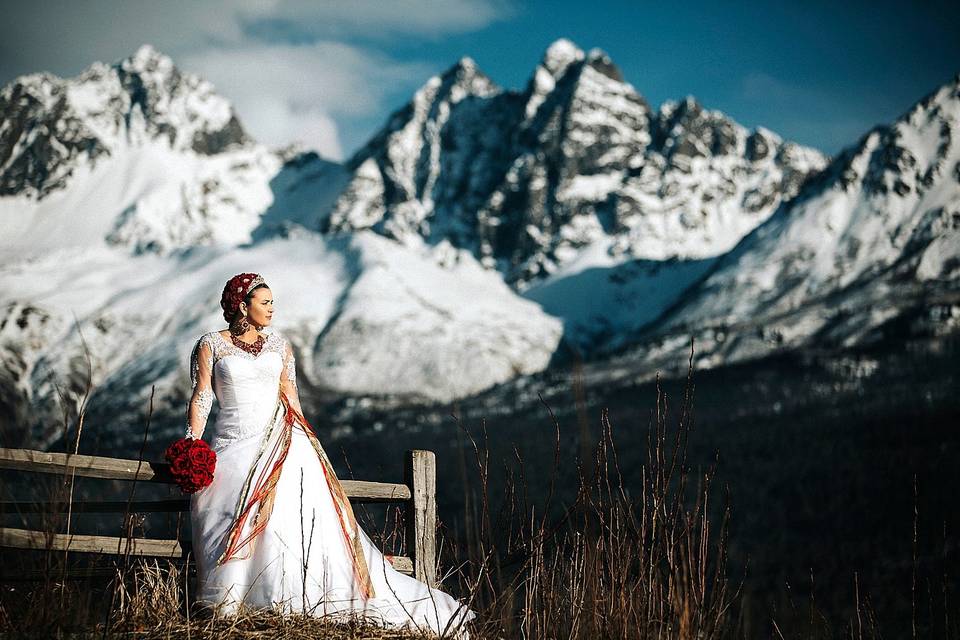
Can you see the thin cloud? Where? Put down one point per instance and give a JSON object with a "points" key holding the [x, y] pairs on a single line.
{"points": [[374, 18], [295, 93], [296, 70]]}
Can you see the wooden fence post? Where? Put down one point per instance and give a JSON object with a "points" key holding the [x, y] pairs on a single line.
{"points": [[420, 474]]}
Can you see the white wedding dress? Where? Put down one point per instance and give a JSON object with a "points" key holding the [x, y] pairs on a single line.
{"points": [[301, 561]]}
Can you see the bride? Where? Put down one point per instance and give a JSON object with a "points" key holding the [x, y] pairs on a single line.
{"points": [[274, 529]]}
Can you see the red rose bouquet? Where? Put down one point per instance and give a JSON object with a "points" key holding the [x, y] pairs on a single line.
{"points": [[192, 462]]}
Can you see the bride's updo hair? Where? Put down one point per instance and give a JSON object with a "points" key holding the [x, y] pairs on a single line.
{"points": [[238, 289]]}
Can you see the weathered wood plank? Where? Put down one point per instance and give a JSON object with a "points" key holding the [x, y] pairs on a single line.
{"points": [[84, 465], [28, 539], [367, 491], [420, 474], [122, 469], [403, 564]]}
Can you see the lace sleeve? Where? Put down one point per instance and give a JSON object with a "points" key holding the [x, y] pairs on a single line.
{"points": [[201, 401], [288, 378]]}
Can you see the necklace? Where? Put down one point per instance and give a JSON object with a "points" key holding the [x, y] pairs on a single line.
{"points": [[251, 347]]}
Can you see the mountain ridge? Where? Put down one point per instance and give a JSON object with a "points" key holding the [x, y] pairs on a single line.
{"points": [[475, 237], [106, 106], [862, 245], [573, 164]]}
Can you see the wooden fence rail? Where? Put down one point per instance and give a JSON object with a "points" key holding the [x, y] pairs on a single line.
{"points": [[417, 494]]}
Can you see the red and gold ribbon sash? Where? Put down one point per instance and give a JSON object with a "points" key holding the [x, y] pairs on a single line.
{"points": [[264, 494]]}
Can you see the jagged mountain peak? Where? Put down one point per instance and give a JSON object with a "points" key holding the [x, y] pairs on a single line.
{"points": [[566, 76], [599, 60], [905, 156], [145, 62], [466, 64], [946, 94], [53, 125], [564, 54], [135, 154], [527, 180], [560, 55], [402, 161], [148, 59], [684, 110], [686, 130], [878, 229], [430, 102], [460, 79]]}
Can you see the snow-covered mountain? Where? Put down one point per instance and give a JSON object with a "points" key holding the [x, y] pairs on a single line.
{"points": [[136, 153], [366, 315], [477, 234], [527, 180], [52, 126], [870, 242], [127, 205]]}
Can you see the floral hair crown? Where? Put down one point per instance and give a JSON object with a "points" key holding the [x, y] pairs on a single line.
{"points": [[256, 282], [236, 290]]}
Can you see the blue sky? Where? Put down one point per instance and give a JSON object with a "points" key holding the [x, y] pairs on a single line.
{"points": [[327, 74]]}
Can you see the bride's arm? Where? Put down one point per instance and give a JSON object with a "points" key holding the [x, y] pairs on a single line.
{"points": [[201, 368], [288, 379]]}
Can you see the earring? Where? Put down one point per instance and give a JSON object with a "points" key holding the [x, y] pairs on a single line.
{"points": [[240, 326]]}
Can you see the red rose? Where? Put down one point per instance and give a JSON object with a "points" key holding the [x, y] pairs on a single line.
{"points": [[174, 450], [179, 466], [197, 457], [192, 463]]}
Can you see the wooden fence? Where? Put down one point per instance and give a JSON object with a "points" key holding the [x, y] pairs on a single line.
{"points": [[417, 493]]}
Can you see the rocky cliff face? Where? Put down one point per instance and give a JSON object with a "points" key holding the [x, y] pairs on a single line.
{"points": [[871, 242], [151, 158], [52, 125], [118, 241], [525, 180]]}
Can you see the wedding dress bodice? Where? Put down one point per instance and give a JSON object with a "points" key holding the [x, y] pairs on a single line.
{"points": [[246, 387]]}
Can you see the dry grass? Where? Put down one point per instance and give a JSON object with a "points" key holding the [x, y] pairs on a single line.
{"points": [[149, 603], [651, 564], [618, 562]]}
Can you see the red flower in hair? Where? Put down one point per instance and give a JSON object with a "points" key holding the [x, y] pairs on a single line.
{"points": [[234, 292]]}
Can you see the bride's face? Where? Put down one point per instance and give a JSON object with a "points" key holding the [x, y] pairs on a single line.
{"points": [[260, 307]]}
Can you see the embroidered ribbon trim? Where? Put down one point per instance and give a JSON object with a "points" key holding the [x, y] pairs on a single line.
{"points": [[244, 507], [264, 493]]}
